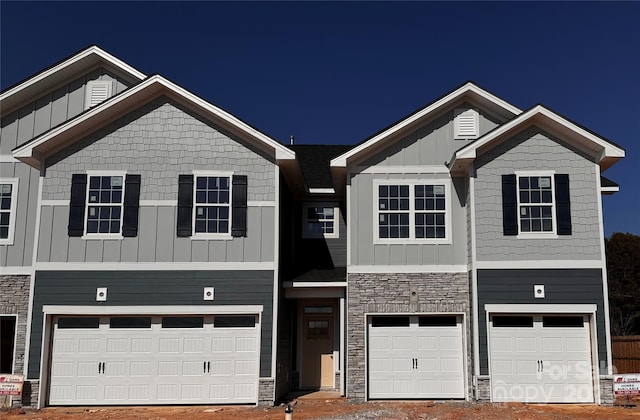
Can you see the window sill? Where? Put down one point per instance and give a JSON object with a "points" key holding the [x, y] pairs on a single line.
{"points": [[210, 237], [6, 241], [408, 241], [102, 236], [549, 235]]}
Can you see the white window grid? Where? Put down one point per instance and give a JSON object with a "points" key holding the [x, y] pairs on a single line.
{"points": [[8, 209], [536, 203], [320, 220], [104, 203], [212, 195], [403, 212]]}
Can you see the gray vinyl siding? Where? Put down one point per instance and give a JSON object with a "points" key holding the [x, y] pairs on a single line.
{"points": [[562, 286], [365, 252], [52, 109], [530, 150], [159, 141], [139, 288], [20, 253], [431, 144]]}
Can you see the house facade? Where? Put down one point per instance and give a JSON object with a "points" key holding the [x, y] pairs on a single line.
{"points": [[155, 249]]}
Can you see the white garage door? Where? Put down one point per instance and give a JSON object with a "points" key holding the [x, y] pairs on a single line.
{"points": [[416, 357], [540, 358], [155, 360]]}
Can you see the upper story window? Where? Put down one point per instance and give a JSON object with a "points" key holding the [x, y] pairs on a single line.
{"points": [[105, 199], [320, 220], [212, 204], [414, 210], [466, 123], [536, 204], [8, 203]]}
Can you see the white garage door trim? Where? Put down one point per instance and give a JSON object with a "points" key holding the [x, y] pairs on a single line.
{"points": [[52, 311], [447, 385], [588, 391]]}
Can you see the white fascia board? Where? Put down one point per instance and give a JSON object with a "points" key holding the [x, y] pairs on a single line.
{"points": [[322, 191], [470, 152], [609, 190], [314, 284], [151, 310], [341, 161], [387, 269], [93, 50], [544, 308], [281, 152]]}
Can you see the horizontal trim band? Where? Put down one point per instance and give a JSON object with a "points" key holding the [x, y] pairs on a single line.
{"points": [[150, 310], [314, 284], [407, 269], [534, 264], [154, 266], [409, 169], [16, 271], [151, 203], [546, 308]]}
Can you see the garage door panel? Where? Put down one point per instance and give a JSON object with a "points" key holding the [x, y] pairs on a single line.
{"points": [[402, 365], [170, 345], [88, 346], [428, 343], [141, 345], [403, 342]]}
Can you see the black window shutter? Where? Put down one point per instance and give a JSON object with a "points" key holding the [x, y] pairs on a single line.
{"points": [[131, 205], [239, 206], [185, 205], [77, 204], [509, 205], [563, 204]]}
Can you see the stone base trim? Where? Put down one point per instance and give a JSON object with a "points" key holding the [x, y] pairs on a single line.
{"points": [[266, 391], [483, 388], [606, 390]]}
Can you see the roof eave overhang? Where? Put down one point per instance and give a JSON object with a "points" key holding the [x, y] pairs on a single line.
{"points": [[51, 78], [34, 152]]}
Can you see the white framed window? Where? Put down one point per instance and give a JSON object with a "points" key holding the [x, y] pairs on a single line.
{"points": [[320, 220], [536, 203], [97, 91], [212, 204], [466, 123], [416, 210], [8, 205], [104, 203]]}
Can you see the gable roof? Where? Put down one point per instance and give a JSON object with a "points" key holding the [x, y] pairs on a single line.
{"points": [[85, 60], [605, 152], [314, 162], [36, 150], [468, 90]]}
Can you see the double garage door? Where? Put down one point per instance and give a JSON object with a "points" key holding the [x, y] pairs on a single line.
{"points": [[155, 359], [540, 358], [416, 357]]}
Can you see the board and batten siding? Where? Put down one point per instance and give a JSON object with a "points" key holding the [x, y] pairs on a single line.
{"points": [[52, 109], [365, 252], [562, 286], [20, 253], [139, 288], [159, 141], [535, 150]]}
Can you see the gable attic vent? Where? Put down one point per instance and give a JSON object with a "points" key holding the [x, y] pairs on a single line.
{"points": [[98, 91], [466, 123]]}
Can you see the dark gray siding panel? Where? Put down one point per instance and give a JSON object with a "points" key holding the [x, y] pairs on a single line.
{"points": [[140, 288], [568, 286]]}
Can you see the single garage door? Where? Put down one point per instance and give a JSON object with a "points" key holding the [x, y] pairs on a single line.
{"points": [[416, 357], [155, 360], [541, 358]]}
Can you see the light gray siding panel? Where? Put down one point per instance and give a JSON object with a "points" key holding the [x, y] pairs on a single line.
{"points": [[129, 249], [76, 97], [46, 225], [268, 231], [93, 250], [59, 106], [251, 249], [568, 286], [534, 149], [59, 249], [77, 248], [199, 251], [165, 233], [9, 133], [25, 123], [147, 233], [42, 115], [235, 249], [217, 251], [111, 251], [134, 288]]}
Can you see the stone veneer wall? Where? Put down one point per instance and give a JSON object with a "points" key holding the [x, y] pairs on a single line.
{"points": [[606, 390], [483, 388], [391, 293], [266, 389], [14, 300]]}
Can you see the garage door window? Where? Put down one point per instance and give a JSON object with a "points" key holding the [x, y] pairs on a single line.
{"points": [[562, 322], [130, 322], [390, 321], [77, 323], [513, 321], [437, 321], [234, 322], [182, 322]]}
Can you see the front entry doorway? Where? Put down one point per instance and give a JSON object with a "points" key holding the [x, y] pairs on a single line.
{"points": [[317, 346]]}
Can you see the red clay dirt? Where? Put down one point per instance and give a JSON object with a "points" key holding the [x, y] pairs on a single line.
{"points": [[339, 409]]}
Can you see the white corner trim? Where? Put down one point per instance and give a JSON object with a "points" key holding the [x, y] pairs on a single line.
{"points": [[543, 308], [151, 309], [538, 264], [364, 269], [155, 266]]}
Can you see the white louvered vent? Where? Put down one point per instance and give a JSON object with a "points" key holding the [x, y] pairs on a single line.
{"points": [[97, 92], [466, 123]]}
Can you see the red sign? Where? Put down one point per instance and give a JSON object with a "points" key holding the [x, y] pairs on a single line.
{"points": [[11, 384], [626, 384]]}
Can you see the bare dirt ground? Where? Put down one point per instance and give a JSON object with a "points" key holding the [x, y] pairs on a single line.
{"points": [[339, 409]]}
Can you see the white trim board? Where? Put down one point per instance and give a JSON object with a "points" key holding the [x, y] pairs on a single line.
{"points": [[363, 269], [155, 266], [158, 203], [543, 308], [313, 284], [151, 310], [538, 264], [407, 169], [16, 271]]}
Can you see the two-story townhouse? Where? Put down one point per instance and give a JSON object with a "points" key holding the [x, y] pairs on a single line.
{"points": [[152, 243], [475, 255]]}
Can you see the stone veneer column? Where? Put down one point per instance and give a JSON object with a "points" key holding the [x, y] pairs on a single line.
{"points": [[390, 293]]}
